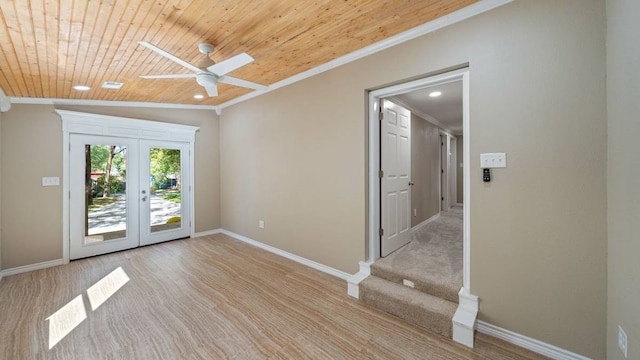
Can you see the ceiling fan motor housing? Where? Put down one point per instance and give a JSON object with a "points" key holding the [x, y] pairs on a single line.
{"points": [[206, 48], [206, 79]]}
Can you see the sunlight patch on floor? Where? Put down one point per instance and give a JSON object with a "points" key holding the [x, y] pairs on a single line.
{"points": [[107, 286], [63, 321], [68, 317]]}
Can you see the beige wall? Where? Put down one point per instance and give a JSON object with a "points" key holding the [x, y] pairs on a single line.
{"points": [[623, 92], [460, 170], [32, 214], [296, 158], [425, 170], [32, 148]]}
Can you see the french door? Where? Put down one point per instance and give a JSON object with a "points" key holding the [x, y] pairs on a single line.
{"points": [[126, 192]]}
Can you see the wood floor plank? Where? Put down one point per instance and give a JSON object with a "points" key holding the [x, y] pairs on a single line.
{"points": [[212, 298]]}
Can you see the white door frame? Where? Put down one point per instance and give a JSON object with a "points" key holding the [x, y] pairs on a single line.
{"points": [[453, 174], [94, 124], [374, 162]]}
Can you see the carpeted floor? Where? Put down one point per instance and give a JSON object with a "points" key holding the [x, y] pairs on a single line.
{"points": [[432, 260]]}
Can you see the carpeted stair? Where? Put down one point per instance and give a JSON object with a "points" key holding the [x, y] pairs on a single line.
{"points": [[420, 282], [425, 310]]}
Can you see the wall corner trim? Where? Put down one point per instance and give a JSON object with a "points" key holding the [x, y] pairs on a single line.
{"points": [[32, 267], [299, 259], [526, 342]]}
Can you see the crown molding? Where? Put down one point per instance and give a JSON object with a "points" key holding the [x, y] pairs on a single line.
{"points": [[81, 102], [426, 28]]}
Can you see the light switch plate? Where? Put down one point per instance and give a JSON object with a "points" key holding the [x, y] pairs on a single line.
{"points": [[51, 181], [493, 160]]}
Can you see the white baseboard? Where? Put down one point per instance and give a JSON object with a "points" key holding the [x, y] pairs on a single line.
{"points": [[32, 267], [208, 232], [299, 259], [526, 342], [422, 224]]}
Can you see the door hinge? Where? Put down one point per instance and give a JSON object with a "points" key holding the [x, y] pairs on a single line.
{"points": [[380, 114], [381, 174], [381, 231], [442, 171]]}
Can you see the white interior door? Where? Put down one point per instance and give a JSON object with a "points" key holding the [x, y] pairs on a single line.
{"points": [[396, 176], [164, 191], [147, 200], [100, 224]]}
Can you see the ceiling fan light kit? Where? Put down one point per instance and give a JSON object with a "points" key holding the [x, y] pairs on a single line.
{"points": [[208, 73]]}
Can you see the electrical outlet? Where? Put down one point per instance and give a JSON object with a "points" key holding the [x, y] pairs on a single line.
{"points": [[622, 341], [261, 224]]}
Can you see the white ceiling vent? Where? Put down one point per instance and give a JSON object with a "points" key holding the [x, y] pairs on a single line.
{"points": [[112, 85]]}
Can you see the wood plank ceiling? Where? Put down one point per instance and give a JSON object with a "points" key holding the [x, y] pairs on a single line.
{"points": [[48, 46]]}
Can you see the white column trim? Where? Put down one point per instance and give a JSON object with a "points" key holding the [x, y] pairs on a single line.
{"points": [[464, 319], [353, 282]]}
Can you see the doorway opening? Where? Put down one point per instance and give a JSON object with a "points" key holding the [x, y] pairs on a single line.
{"points": [[127, 183], [429, 194]]}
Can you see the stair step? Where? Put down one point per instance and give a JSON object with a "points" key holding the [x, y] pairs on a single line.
{"points": [[430, 312], [431, 286]]}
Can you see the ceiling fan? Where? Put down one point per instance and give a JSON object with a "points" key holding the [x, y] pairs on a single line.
{"points": [[207, 72]]}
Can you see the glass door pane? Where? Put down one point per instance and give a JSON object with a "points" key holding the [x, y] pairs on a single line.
{"points": [[105, 192], [164, 191], [103, 177]]}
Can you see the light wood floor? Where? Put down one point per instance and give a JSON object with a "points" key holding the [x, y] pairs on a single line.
{"points": [[210, 298]]}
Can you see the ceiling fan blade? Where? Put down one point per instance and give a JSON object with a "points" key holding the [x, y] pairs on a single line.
{"points": [[212, 90], [169, 56], [170, 76], [244, 83], [230, 64]]}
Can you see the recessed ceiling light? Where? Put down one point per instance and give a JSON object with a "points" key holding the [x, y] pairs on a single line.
{"points": [[112, 85], [435, 94], [81, 87], [198, 96]]}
